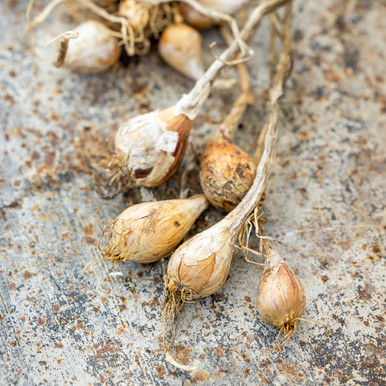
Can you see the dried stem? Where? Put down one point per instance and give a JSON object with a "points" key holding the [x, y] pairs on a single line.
{"points": [[231, 122], [66, 37], [239, 215]]}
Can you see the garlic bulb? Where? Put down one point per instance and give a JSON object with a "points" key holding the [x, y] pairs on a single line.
{"points": [[149, 231], [280, 297], [226, 174], [150, 147], [200, 266], [180, 46], [95, 50]]}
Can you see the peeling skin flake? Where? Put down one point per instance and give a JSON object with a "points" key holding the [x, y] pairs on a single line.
{"points": [[143, 138]]}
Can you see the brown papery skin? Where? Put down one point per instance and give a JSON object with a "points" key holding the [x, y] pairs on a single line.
{"points": [[280, 296], [147, 232], [200, 266], [227, 173], [139, 155], [182, 125]]}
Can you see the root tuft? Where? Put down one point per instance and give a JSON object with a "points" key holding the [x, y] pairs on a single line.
{"points": [[288, 329], [175, 296]]}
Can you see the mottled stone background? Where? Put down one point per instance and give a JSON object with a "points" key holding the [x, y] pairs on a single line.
{"points": [[325, 203]]}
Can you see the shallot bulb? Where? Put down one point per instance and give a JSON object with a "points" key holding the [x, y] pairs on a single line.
{"points": [[94, 50], [180, 46], [149, 231], [196, 19], [226, 6], [226, 174], [200, 266], [281, 299], [200, 21], [150, 147]]}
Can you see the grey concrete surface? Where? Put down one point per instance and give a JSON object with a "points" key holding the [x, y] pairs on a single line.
{"points": [[325, 203]]}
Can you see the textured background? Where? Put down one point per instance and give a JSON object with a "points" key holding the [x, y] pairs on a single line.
{"points": [[325, 203]]}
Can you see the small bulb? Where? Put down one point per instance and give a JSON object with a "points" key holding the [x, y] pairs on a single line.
{"points": [[200, 21], [196, 19], [226, 6], [94, 50], [200, 266], [280, 298], [150, 147], [149, 231], [227, 173], [181, 47]]}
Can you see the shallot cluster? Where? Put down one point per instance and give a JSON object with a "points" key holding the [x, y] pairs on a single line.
{"points": [[150, 147]]}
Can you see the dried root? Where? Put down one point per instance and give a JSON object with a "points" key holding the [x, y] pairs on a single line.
{"points": [[111, 250], [255, 220], [121, 177], [175, 296]]}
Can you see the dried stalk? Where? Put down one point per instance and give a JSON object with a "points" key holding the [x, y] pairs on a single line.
{"points": [[231, 122], [283, 69]]}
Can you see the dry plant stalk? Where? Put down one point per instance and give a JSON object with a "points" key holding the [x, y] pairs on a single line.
{"points": [[200, 266], [227, 172], [185, 111]]}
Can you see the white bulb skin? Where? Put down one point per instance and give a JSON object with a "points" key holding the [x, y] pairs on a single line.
{"points": [[95, 50]]}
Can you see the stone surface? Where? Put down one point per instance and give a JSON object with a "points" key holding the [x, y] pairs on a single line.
{"points": [[325, 203]]}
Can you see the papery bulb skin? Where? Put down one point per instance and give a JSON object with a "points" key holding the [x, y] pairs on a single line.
{"points": [[149, 231], [280, 298], [95, 50], [150, 147], [227, 173], [180, 46], [200, 266]]}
